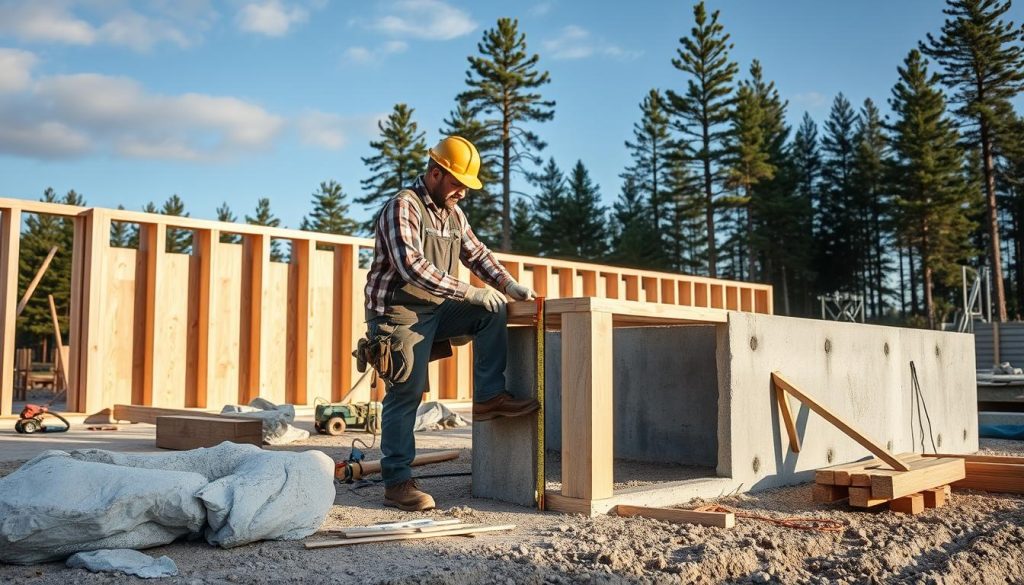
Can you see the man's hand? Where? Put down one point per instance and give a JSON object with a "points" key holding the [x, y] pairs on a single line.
{"points": [[519, 292], [485, 297]]}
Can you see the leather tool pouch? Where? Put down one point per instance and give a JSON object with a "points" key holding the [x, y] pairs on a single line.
{"points": [[375, 353]]}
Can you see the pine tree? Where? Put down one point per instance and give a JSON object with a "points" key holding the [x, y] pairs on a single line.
{"points": [[120, 235], [179, 241], [330, 212], [524, 230], [264, 217], [796, 267], [225, 214], [481, 206], [687, 244], [748, 165], [635, 241], [549, 211], [650, 150], [872, 207], [838, 258], [501, 83], [401, 155], [703, 112], [930, 192], [42, 232], [982, 61], [588, 236]]}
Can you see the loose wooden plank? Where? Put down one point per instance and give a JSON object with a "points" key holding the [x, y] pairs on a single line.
{"points": [[370, 531], [192, 432], [995, 469], [368, 539], [787, 419], [35, 281], [982, 458], [860, 497], [717, 519], [840, 474], [826, 494], [931, 473], [862, 477], [911, 504], [991, 484], [149, 414], [847, 428]]}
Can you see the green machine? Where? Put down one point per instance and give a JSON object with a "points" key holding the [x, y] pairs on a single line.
{"points": [[334, 419]]}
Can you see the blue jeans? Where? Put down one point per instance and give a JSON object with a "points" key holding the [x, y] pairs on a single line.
{"points": [[414, 330]]}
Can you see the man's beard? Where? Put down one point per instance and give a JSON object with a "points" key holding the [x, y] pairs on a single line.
{"points": [[443, 202]]}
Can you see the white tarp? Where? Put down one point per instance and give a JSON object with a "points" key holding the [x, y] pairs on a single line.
{"points": [[432, 416], [124, 560], [61, 503], [277, 420]]}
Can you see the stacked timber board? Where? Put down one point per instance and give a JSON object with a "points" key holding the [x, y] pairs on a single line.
{"points": [[872, 482], [192, 432], [990, 473]]}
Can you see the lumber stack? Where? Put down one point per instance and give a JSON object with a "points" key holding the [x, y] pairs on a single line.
{"points": [[873, 482], [990, 473], [409, 530]]}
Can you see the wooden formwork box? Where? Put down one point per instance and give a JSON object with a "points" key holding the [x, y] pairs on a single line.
{"points": [[586, 390]]}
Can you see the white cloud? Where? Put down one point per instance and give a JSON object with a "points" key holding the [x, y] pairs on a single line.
{"points": [[331, 131], [575, 42], [72, 115], [45, 20], [424, 19], [364, 55], [541, 9], [113, 23], [810, 100], [131, 29], [46, 140], [270, 17], [15, 69]]}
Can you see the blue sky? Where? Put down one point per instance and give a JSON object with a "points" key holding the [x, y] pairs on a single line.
{"points": [[129, 102]]}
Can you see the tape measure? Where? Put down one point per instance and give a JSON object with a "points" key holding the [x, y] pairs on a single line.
{"points": [[541, 479]]}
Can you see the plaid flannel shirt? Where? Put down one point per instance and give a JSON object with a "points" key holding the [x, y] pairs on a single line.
{"points": [[398, 253]]}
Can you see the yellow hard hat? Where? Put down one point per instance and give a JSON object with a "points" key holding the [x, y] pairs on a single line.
{"points": [[459, 157]]}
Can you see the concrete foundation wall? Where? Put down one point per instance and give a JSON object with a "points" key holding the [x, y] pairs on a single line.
{"points": [[860, 372], [665, 394]]}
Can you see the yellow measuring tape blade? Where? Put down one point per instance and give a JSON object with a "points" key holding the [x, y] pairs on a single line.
{"points": [[541, 479]]}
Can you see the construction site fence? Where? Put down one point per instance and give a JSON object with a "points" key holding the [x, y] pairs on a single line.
{"points": [[224, 323]]}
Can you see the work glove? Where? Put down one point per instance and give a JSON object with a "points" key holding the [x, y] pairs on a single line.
{"points": [[519, 292], [485, 297]]}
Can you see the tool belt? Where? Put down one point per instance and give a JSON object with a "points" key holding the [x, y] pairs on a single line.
{"points": [[376, 352]]}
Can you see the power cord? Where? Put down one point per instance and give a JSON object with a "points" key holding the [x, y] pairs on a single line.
{"points": [[917, 396]]}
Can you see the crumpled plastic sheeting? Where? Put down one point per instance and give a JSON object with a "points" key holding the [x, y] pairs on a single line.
{"points": [[277, 420], [431, 416], [124, 560], [61, 503], [55, 505]]}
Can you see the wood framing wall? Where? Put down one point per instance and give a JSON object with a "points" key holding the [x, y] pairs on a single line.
{"points": [[224, 324]]}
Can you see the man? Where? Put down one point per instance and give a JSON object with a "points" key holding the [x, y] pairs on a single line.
{"points": [[414, 304]]}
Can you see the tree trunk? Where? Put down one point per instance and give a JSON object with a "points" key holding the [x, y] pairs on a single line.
{"points": [[785, 292], [506, 185], [709, 207], [1018, 266], [993, 220], [926, 269], [903, 289], [913, 281]]}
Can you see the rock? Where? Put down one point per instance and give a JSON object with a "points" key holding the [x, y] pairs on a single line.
{"points": [[761, 577]]}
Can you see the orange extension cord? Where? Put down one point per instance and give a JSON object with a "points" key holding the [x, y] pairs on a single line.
{"points": [[814, 524]]}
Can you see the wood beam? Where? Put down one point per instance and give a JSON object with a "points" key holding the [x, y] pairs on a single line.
{"points": [[10, 245], [781, 382], [587, 413]]}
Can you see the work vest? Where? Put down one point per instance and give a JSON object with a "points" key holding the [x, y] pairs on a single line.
{"points": [[440, 250]]}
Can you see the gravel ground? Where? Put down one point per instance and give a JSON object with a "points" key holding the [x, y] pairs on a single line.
{"points": [[977, 538]]}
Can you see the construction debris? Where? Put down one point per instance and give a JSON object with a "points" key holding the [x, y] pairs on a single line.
{"points": [[704, 518], [277, 420], [870, 483], [414, 530], [990, 473]]}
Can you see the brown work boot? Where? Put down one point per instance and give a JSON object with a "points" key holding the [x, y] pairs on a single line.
{"points": [[503, 405], [408, 496]]}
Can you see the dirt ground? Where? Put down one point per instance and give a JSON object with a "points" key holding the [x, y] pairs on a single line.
{"points": [[977, 538]]}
